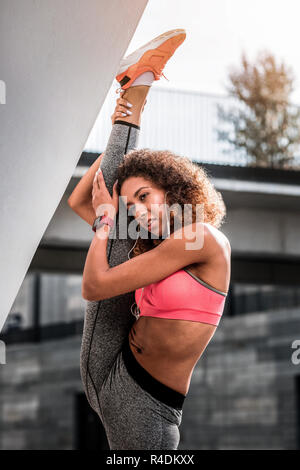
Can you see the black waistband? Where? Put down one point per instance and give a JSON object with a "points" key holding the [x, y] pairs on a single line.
{"points": [[157, 389], [130, 124]]}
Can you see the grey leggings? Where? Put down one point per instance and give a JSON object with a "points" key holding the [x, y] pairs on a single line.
{"points": [[137, 411]]}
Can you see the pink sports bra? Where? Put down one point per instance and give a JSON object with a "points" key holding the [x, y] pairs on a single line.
{"points": [[181, 296]]}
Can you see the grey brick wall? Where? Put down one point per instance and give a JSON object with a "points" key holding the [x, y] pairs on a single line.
{"points": [[38, 384], [242, 393]]}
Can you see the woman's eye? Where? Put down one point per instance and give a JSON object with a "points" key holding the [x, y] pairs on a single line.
{"points": [[132, 209]]}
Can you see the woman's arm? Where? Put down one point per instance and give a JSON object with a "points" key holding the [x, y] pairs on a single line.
{"points": [[80, 200], [102, 282]]}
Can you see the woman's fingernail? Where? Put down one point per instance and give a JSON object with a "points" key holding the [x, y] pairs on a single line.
{"points": [[129, 104], [129, 112]]}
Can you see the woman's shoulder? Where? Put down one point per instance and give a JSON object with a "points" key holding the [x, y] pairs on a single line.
{"points": [[218, 238], [218, 265]]}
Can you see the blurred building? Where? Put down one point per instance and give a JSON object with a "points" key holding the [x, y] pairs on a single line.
{"points": [[245, 389]]}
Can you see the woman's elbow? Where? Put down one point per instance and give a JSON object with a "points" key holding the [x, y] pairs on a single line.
{"points": [[72, 204], [90, 294], [84, 293]]}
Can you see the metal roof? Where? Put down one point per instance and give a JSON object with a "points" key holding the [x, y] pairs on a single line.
{"points": [[182, 121]]}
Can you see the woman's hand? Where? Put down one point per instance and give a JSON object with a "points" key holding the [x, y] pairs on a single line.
{"points": [[122, 108], [102, 201]]}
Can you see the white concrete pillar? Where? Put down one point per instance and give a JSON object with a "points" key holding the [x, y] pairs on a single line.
{"points": [[57, 62]]}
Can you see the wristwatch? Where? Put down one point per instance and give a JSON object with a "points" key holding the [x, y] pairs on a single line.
{"points": [[101, 220]]}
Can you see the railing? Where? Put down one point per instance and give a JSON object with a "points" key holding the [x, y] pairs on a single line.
{"points": [[182, 121]]}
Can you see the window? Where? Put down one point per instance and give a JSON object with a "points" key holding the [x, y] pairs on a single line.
{"points": [[21, 314], [60, 298], [251, 298], [48, 305]]}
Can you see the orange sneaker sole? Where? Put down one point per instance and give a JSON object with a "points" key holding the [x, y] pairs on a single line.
{"points": [[152, 56]]}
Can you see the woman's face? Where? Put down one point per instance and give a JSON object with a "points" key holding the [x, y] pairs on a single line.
{"points": [[146, 202]]}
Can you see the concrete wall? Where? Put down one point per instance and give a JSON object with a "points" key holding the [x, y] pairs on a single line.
{"points": [[57, 70]]}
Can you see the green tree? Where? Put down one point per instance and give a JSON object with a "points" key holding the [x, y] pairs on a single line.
{"points": [[265, 124]]}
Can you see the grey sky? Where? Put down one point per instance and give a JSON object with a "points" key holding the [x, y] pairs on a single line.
{"points": [[217, 32]]}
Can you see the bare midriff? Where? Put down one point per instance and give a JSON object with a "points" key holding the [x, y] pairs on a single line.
{"points": [[169, 349]]}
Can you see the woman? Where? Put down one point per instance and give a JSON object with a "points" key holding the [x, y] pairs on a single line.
{"points": [[136, 369]]}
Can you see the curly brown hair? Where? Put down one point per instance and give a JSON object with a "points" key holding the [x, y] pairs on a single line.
{"points": [[184, 182]]}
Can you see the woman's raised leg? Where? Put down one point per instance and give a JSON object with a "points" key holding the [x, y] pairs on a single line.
{"points": [[107, 322]]}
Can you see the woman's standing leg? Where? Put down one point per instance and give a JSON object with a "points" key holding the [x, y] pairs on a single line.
{"points": [[107, 322]]}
